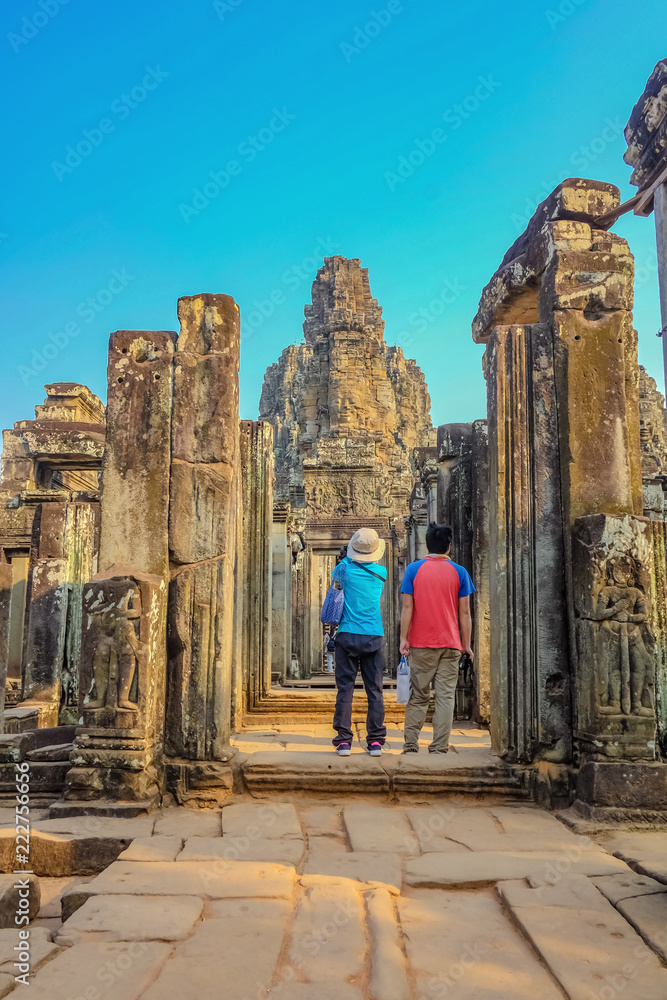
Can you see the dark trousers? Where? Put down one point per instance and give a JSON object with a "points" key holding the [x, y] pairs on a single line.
{"points": [[365, 653]]}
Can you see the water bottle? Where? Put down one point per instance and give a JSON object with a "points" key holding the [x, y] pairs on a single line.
{"points": [[403, 682]]}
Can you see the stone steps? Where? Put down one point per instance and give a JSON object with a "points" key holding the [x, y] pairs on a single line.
{"points": [[266, 772]]}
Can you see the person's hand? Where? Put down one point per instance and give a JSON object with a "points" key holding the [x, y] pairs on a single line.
{"points": [[468, 651], [404, 647]]}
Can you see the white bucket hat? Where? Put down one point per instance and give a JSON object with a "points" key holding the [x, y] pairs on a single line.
{"points": [[366, 546]]}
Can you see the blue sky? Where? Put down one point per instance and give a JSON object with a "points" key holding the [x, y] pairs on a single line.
{"points": [[290, 120]]}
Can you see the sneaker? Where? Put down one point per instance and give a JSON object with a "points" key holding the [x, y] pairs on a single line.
{"points": [[410, 750], [438, 751], [375, 749], [343, 750]]}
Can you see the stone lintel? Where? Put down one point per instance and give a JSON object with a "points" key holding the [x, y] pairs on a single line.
{"points": [[563, 222]]}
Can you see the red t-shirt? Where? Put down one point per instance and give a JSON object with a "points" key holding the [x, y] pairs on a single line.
{"points": [[436, 584]]}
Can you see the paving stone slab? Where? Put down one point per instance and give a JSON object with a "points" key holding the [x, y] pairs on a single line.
{"points": [[282, 852], [588, 951], [325, 991], [644, 850], [461, 945], [388, 972], [99, 971], [41, 948], [379, 828], [375, 867], [210, 880], [328, 845], [266, 821], [618, 887], [232, 954], [180, 822], [130, 918], [524, 827], [449, 828], [321, 821], [152, 849], [574, 891], [484, 867], [648, 915], [328, 936]]}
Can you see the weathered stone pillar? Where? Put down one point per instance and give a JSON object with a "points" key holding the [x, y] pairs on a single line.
{"points": [[281, 600], [6, 584], [118, 752], [202, 527], [481, 625], [253, 590], [61, 560], [530, 685], [564, 433]]}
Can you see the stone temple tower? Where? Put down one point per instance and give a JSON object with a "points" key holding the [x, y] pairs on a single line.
{"points": [[347, 409], [348, 412]]}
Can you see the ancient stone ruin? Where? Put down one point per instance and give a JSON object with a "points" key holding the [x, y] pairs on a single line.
{"points": [[163, 563], [348, 413]]}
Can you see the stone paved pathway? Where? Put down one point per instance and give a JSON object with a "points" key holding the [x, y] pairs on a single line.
{"points": [[467, 739], [353, 900]]}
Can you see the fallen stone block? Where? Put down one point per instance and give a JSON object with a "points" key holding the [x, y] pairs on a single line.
{"points": [[14, 747], [18, 894]]}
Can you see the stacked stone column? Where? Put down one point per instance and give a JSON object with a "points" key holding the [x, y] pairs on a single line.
{"points": [[118, 750], [203, 510]]}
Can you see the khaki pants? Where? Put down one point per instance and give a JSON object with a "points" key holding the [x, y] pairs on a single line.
{"points": [[426, 665]]}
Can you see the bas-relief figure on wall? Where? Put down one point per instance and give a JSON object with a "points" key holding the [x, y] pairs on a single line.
{"points": [[117, 649], [612, 576], [626, 664]]}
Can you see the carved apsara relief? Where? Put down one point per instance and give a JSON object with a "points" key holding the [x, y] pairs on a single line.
{"points": [[113, 612]]}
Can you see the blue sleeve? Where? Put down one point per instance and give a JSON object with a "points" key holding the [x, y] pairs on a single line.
{"points": [[466, 585], [408, 585]]}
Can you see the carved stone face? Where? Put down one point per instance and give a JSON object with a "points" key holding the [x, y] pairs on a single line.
{"points": [[622, 573]]}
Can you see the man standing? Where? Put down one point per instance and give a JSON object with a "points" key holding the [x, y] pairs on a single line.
{"points": [[436, 600], [360, 640]]}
